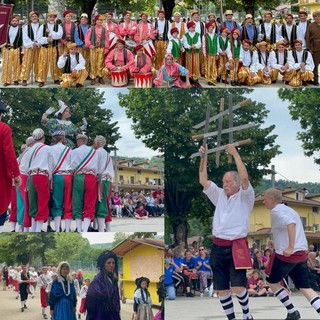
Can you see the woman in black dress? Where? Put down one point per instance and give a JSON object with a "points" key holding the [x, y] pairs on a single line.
{"points": [[5, 275], [24, 287]]}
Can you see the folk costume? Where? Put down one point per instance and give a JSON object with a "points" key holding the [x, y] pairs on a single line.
{"points": [[11, 53], [170, 74], [224, 46], [61, 185], [210, 48], [48, 36], [38, 182], [74, 68], [105, 175], [229, 23], [128, 28], [267, 31], [103, 299], [31, 49], [97, 40], [180, 25], [84, 163], [142, 302], [192, 44], [175, 46], [233, 54], [142, 62], [262, 64], [79, 36], [250, 31], [68, 28], [302, 73], [83, 295], [161, 27], [70, 129], [288, 33], [113, 30], [43, 282], [9, 168], [23, 281]]}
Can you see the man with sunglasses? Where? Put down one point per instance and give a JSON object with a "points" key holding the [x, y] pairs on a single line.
{"points": [[233, 205]]}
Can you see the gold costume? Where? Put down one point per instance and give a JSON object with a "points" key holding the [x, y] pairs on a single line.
{"points": [[161, 48], [11, 65], [68, 79], [96, 62], [30, 59], [210, 68], [48, 58]]}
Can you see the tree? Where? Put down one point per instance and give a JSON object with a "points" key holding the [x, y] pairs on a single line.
{"points": [[171, 115], [28, 105], [304, 106], [119, 237]]}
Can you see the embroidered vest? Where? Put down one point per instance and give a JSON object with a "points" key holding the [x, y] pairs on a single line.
{"points": [[80, 32], [93, 38], [165, 30], [245, 34], [64, 36], [45, 34], [272, 33], [211, 44], [17, 43], [235, 49], [182, 28], [223, 44], [293, 34], [176, 48], [265, 62]]}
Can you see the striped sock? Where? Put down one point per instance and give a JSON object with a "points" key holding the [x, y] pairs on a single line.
{"points": [[227, 305], [282, 295], [315, 302], [243, 299]]}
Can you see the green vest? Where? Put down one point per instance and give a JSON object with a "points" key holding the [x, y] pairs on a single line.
{"points": [[176, 48], [192, 41], [235, 49], [71, 32], [211, 44], [93, 37], [223, 44]]}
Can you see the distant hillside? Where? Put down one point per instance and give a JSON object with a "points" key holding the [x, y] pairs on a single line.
{"points": [[101, 246], [311, 187]]}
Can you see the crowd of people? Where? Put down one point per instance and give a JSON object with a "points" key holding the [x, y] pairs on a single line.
{"points": [[67, 182], [180, 51], [70, 296]]}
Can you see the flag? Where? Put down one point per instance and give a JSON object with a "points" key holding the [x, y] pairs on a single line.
{"points": [[5, 13]]}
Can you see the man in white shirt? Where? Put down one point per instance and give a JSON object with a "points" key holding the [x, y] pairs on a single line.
{"points": [[74, 67], [288, 31], [301, 61], [180, 25], [234, 203], [105, 175], [302, 26], [43, 281], [84, 163], [38, 182], [48, 37], [290, 257], [267, 30], [62, 176], [31, 47]]}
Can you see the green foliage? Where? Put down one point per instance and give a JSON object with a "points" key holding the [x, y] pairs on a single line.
{"points": [[28, 105], [170, 115], [305, 107], [119, 237]]}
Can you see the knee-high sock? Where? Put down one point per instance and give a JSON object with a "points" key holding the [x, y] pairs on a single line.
{"points": [[13, 226], [85, 224], [243, 299], [39, 225], [282, 295], [100, 224], [67, 224], [79, 223], [19, 228], [57, 222], [315, 303], [227, 305], [25, 229], [1, 228], [33, 225], [108, 226], [95, 224]]}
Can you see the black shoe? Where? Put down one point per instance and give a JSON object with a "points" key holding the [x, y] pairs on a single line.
{"points": [[233, 83], [49, 229], [315, 83], [293, 316], [44, 316], [238, 83], [274, 81], [225, 81], [22, 309], [219, 79], [189, 295], [304, 83], [25, 307]]}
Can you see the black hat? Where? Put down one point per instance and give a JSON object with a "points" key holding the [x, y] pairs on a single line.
{"points": [[3, 107], [139, 280]]}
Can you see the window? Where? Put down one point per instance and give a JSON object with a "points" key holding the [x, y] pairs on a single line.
{"points": [[316, 227], [121, 178], [304, 221], [132, 180], [299, 196], [147, 180], [139, 171], [315, 209]]}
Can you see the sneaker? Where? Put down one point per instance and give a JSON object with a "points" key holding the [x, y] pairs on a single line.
{"points": [[293, 316], [215, 295], [190, 294], [17, 296], [206, 290], [201, 295]]}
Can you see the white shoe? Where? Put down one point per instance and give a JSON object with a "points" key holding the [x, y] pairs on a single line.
{"points": [[201, 295], [206, 290], [215, 295]]}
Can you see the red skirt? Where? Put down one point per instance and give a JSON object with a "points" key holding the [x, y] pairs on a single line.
{"points": [[82, 306]]}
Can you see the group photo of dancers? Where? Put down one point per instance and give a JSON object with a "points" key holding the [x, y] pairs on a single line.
{"points": [[148, 50]]}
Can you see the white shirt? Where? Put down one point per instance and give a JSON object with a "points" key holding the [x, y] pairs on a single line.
{"points": [[178, 26], [44, 280], [170, 45], [56, 151], [55, 35], [40, 159], [257, 65], [33, 276], [211, 35], [23, 163], [245, 57], [268, 28], [281, 217], [161, 25], [301, 32], [83, 292], [27, 41], [13, 31], [105, 165], [78, 155], [74, 65], [231, 216], [309, 61]]}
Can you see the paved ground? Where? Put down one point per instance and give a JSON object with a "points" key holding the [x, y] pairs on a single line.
{"points": [[121, 225], [10, 308], [206, 308]]}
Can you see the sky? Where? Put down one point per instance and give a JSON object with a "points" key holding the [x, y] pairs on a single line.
{"points": [[291, 164]]}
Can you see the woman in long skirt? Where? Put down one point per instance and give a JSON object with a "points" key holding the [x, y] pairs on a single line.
{"points": [[24, 280], [63, 297]]}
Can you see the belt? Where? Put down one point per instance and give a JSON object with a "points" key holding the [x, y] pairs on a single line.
{"points": [[64, 172], [87, 172], [48, 45], [106, 177], [38, 171]]}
